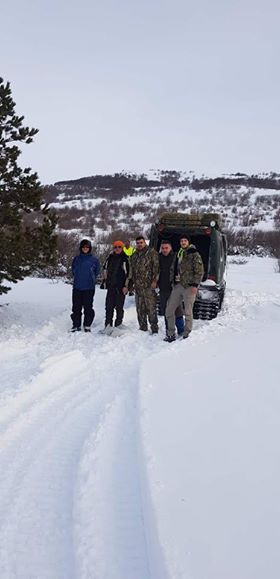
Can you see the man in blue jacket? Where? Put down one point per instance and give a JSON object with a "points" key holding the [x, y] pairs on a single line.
{"points": [[85, 269]]}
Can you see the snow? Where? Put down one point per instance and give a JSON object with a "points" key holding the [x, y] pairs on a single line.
{"points": [[263, 193], [130, 458], [83, 203], [208, 282], [266, 224], [214, 470]]}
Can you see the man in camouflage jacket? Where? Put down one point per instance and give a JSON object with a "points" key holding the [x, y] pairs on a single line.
{"points": [[144, 273], [187, 274]]}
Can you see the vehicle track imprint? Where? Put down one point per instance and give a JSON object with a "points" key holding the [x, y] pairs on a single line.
{"points": [[75, 414]]}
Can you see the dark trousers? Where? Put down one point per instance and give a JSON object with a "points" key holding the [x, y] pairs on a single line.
{"points": [[163, 297], [82, 299], [114, 301]]}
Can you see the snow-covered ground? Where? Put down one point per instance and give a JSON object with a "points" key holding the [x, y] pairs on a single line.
{"points": [[130, 458]]}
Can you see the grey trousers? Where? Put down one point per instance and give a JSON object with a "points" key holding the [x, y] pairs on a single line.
{"points": [[178, 295]]}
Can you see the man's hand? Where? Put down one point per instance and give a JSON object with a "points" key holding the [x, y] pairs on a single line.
{"points": [[153, 285], [194, 290], [124, 291]]}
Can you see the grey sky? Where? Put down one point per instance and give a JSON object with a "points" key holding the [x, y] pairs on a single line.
{"points": [[134, 85]]}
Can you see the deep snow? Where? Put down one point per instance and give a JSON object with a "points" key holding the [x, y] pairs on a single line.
{"points": [[130, 458]]}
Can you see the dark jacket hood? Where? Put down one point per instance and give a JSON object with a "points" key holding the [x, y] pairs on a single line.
{"points": [[85, 242]]}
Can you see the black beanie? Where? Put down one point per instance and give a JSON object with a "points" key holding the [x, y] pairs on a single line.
{"points": [[185, 236]]}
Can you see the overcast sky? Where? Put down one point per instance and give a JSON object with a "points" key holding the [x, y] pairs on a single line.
{"points": [[141, 84]]}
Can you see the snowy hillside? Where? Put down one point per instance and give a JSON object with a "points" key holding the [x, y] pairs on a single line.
{"points": [[130, 458], [99, 205]]}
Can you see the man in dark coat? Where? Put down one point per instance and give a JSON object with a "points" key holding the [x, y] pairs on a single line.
{"points": [[85, 269], [166, 265], [115, 276]]}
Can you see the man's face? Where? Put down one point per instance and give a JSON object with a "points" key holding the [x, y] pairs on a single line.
{"points": [[127, 244], [140, 244], [165, 248], [184, 243], [85, 248], [118, 249]]}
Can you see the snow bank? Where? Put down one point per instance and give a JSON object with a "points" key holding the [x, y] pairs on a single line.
{"points": [[210, 431]]}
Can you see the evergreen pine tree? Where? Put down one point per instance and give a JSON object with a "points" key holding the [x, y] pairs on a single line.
{"points": [[27, 239]]}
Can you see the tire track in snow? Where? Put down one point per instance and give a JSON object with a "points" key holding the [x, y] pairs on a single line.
{"points": [[110, 536], [52, 375], [35, 347], [43, 430], [39, 415], [24, 493]]}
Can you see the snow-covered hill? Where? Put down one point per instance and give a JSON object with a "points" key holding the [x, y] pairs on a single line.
{"points": [[130, 458], [98, 205]]}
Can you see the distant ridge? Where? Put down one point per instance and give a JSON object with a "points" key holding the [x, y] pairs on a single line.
{"points": [[130, 181]]}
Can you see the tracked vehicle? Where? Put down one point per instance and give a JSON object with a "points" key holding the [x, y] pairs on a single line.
{"points": [[204, 231]]}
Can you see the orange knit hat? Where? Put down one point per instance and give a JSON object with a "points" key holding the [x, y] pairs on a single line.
{"points": [[118, 244]]}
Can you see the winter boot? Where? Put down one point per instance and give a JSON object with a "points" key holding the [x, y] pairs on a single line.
{"points": [[170, 339], [107, 331]]}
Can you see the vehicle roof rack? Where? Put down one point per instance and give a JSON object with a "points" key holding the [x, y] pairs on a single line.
{"points": [[188, 220]]}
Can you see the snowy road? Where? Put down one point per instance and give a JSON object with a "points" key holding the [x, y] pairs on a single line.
{"points": [[69, 479], [90, 458]]}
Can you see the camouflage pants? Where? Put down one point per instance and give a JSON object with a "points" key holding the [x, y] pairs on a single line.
{"points": [[146, 307], [178, 295]]}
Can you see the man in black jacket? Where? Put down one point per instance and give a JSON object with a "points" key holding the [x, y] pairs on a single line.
{"points": [[166, 265], [115, 277]]}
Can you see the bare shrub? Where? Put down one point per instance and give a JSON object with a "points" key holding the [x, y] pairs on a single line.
{"points": [[253, 242], [238, 260]]}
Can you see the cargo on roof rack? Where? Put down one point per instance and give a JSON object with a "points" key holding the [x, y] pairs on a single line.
{"points": [[182, 220]]}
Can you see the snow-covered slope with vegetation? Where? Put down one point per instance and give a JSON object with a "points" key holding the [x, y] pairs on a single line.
{"points": [[100, 205]]}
